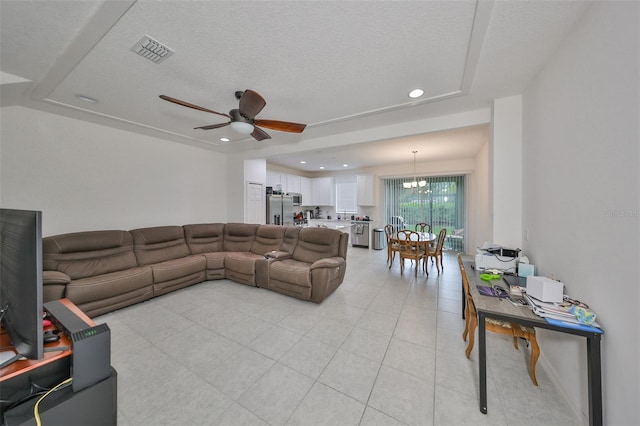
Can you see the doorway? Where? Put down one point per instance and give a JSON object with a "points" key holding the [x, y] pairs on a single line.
{"points": [[255, 211]]}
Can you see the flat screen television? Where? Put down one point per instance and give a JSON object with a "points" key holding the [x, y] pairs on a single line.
{"points": [[21, 282]]}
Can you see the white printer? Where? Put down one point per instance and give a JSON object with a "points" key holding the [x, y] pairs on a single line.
{"points": [[496, 257]]}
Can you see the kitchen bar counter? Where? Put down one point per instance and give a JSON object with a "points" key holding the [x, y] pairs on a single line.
{"points": [[341, 225]]}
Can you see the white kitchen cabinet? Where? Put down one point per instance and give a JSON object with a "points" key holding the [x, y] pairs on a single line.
{"points": [[323, 191], [366, 194], [274, 179], [292, 183], [306, 191]]}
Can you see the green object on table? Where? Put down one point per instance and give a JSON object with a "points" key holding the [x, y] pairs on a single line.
{"points": [[489, 277]]}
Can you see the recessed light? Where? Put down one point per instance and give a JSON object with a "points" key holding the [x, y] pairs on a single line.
{"points": [[321, 167], [345, 165], [225, 139], [87, 99], [303, 162], [416, 93]]}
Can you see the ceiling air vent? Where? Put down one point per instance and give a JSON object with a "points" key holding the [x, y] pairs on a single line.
{"points": [[152, 49]]}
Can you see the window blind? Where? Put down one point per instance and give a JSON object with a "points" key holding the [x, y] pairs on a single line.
{"points": [[440, 204]]}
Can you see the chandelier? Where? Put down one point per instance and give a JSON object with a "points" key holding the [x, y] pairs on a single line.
{"points": [[414, 183]]}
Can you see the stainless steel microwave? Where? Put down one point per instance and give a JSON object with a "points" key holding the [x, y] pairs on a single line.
{"points": [[297, 199]]}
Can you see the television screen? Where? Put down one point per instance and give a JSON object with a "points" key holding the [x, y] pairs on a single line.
{"points": [[21, 282]]}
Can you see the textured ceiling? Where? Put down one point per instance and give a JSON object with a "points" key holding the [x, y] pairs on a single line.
{"points": [[338, 66]]}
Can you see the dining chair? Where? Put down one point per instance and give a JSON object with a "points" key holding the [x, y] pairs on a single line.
{"points": [[410, 247], [392, 245], [435, 253], [423, 227], [496, 326]]}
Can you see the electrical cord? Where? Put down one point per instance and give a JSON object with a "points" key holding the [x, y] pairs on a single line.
{"points": [[36, 408]]}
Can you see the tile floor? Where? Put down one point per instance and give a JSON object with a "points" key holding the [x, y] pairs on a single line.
{"points": [[383, 349]]}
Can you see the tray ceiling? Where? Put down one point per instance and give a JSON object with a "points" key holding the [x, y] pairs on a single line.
{"points": [[339, 67]]}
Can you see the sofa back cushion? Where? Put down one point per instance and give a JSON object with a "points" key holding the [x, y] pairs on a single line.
{"points": [[291, 235], [204, 237], [317, 243], [85, 254], [344, 244], [239, 236], [268, 238], [159, 244]]}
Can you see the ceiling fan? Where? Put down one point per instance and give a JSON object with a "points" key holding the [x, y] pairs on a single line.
{"points": [[243, 118]]}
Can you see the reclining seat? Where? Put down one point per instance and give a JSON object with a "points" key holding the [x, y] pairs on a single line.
{"points": [[96, 270], [206, 239], [165, 250], [240, 266], [286, 251], [316, 268], [238, 237]]}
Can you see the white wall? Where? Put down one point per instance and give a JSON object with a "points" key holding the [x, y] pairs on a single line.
{"points": [[506, 172], [480, 227], [581, 192], [85, 176]]}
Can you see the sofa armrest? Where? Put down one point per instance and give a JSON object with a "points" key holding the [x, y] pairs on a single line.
{"points": [[277, 255], [55, 277], [54, 285], [329, 262]]}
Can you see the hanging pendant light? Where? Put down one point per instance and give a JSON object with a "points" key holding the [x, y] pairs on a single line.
{"points": [[414, 183]]}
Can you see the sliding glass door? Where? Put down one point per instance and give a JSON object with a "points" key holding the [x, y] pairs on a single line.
{"points": [[439, 203]]}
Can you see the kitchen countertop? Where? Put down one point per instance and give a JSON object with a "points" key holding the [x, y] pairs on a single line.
{"points": [[342, 225]]}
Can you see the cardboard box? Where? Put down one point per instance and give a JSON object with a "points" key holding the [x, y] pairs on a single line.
{"points": [[545, 289]]}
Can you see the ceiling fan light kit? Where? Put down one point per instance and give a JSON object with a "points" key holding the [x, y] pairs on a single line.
{"points": [[242, 127], [242, 119]]}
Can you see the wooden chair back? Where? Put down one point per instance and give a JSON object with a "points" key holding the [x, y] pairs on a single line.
{"points": [[392, 246], [423, 227], [410, 247]]}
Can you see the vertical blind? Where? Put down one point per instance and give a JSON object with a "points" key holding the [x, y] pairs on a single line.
{"points": [[440, 203]]}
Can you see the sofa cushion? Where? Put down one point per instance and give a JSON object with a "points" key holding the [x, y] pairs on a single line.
{"points": [[317, 243], [178, 268], [268, 238], [86, 254], [239, 236], [159, 244], [215, 260], [204, 237], [291, 271], [107, 285], [291, 235], [242, 262]]}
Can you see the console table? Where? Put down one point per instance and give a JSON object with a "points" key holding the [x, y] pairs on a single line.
{"points": [[493, 307]]}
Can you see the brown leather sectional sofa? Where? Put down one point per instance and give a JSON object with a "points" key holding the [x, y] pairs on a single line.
{"points": [[101, 271]]}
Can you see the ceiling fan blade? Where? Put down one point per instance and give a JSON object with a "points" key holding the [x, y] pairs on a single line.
{"points": [[251, 103], [213, 126], [259, 134], [188, 105], [283, 126]]}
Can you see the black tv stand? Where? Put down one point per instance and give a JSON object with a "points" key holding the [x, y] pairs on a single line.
{"points": [[95, 403]]}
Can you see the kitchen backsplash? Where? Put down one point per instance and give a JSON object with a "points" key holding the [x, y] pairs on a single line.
{"points": [[327, 212]]}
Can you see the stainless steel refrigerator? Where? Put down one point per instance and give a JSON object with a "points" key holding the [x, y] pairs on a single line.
{"points": [[280, 210]]}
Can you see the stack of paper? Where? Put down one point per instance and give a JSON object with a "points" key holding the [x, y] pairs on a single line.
{"points": [[554, 312], [516, 290]]}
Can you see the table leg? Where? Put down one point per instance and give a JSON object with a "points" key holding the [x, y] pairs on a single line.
{"points": [[595, 380], [482, 361]]}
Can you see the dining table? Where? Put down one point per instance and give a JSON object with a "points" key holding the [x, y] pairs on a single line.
{"points": [[425, 238]]}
